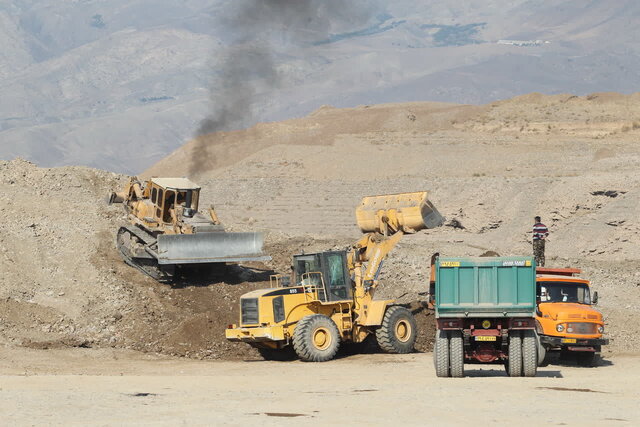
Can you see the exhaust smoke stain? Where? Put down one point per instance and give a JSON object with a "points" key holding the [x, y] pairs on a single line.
{"points": [[262, 34]]}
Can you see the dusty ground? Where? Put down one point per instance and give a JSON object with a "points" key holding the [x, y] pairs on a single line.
{"points": [[114, 387]]}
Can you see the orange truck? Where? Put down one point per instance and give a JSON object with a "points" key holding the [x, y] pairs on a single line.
{"points": [[566, 321]]}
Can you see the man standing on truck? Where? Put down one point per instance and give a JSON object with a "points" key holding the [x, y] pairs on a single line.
{"points": [[540, 233]]}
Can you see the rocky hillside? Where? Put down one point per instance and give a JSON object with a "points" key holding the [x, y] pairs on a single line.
{"points": [[65, 285], [489, 170]]}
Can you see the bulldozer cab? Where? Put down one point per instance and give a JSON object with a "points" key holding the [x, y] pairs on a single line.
{"points": [[325, 271], [167, 194]]}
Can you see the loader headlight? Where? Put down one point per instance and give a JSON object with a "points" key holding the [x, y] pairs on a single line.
{"points": [[560, 327], [600, 329]]}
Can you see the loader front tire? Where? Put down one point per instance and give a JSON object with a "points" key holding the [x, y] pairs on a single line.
{"points": [[529, 353], [441, 354], [398, 331], [514, 363], [316, 338]]}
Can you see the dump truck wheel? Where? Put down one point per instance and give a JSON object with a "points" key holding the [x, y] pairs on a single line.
{"points": [[543, 357], [441, 354], [529, 354], [456, 354], [316, 338], [284, 354], [398, 331], [514, 363]]}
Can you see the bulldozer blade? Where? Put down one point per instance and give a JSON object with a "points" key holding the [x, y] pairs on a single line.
{"points": [[210, 248], [409, 212]]}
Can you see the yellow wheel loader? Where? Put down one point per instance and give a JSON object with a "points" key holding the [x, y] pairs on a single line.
{"points": [[167, 230], [328, 298]]}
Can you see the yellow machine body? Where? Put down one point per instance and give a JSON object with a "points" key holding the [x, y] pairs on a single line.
{"points": [[339, 285], [166, 229]]}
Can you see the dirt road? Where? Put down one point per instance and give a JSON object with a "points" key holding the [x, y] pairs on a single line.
{"points": [[107, 387]]}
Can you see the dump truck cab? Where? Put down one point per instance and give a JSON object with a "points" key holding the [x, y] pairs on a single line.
{"points": [[566, 321]]}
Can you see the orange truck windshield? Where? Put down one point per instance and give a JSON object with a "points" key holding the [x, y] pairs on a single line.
{"points": [[563, 292]]}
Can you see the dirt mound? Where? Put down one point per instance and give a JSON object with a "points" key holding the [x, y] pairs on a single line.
{"points": [[63, 283]]}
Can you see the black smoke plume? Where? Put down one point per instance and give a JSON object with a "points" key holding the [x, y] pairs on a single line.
{"points": [[260, 32]]}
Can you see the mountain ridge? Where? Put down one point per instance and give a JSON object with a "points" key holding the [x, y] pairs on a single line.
{"points": [[70, 69]]}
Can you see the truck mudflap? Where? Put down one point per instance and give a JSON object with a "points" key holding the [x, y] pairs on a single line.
{"points": [[257, 334], [573, 342]]}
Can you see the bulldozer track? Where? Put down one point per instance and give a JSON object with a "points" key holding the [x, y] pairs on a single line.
{"points": [[147, 266]]}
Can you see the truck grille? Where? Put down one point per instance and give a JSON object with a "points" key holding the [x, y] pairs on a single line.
{"points": [[249, 310], [582, 328]]}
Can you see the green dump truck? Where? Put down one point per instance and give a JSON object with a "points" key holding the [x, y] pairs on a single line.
{"points": [[485, 313]]}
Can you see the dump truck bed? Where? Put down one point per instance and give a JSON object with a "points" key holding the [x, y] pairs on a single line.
{"points": [[485, 287]]}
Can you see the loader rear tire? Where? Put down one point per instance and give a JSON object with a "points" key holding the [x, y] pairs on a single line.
{"points": [[456, 354], [514, 363], [529, 354], [316, 338], [284, 354], [441, 354], [398, 331]]}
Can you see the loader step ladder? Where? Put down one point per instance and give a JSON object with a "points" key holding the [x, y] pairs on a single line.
{"points": [[347, 322]]}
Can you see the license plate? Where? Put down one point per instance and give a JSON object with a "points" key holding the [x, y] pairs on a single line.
{"points": [[569, 340], [485, 338]]}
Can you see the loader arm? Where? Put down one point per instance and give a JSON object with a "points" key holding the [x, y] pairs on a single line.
{"points": [[385, 220], [372, 249]]}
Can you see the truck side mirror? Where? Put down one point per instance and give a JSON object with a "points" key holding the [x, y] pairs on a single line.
{"points": [[595, 298]]}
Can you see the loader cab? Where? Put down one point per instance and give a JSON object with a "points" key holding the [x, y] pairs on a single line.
{"points": [[325, 271], [169, 193]]}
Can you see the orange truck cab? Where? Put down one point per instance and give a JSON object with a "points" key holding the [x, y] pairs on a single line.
{"points": [[566, 321]]}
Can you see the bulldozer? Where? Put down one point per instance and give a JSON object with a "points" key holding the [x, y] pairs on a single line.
{"points": [[328, 298], [166, 229]]}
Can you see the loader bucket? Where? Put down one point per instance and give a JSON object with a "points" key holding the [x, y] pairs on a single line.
{"points": [[210, 248], [387, 214]]}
